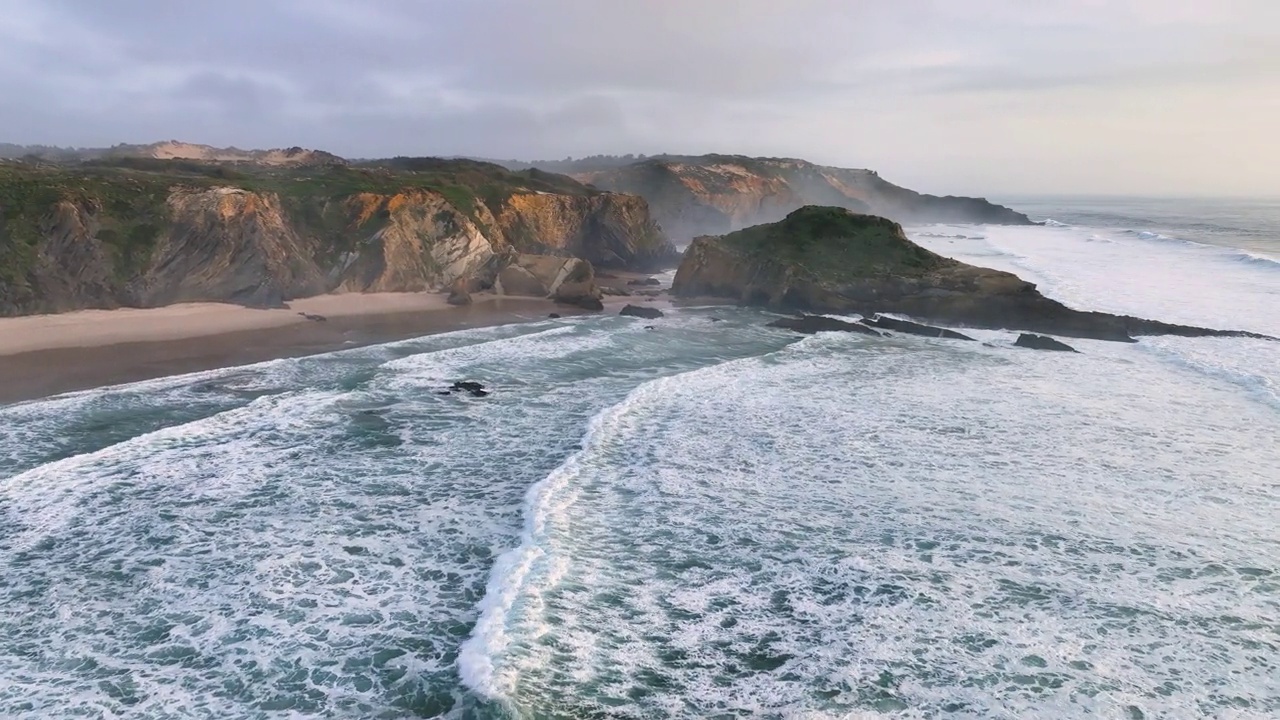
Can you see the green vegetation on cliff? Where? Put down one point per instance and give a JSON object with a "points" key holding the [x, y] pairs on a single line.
{"points": [[94, 233], [834, 243]]}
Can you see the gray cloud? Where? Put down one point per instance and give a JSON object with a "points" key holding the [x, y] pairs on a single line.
{"points": [[949, 96]]}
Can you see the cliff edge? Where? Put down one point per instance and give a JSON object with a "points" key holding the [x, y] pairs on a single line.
{"points": [[150, 232], [716, 194]]}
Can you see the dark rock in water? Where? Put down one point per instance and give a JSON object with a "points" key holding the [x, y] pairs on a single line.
{"points": [[641, 312], [912, 328], [593, 304], [645, 281], [830, 260], [715, 319], [809, 324], [314, 318], [615, 292], [649, 327], [475, 388], [1040, 342], [554, 316]]}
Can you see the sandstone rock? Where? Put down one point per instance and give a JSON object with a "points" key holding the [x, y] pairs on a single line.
{"points": [[647, 313], [147, 237], [609, 230], [1040, 342], [458, 294], [517, 280], [583, 293]]}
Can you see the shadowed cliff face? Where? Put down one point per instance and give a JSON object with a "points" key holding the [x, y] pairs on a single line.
{"points": [[147, 244], [714, 194], [831, 260]]}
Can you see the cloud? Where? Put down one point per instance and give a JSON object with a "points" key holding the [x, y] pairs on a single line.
{"points": [[950, 96]]}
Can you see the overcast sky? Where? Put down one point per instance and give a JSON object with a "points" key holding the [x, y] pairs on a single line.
{"points": [[981, 97]]}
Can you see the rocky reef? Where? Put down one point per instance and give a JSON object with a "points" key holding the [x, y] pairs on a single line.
{"points": [[150, 232], [716, 194], [832, 260]]}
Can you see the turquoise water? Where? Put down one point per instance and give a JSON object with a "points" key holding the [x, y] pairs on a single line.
{"points": [[705, 519]]}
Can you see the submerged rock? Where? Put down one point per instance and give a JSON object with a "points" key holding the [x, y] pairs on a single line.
{"points": [[647, 313], [645, 281], [912, 328], [1040, 342], [467, 386], [809, 324]]}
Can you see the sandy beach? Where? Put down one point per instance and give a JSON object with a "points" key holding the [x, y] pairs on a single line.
{"points": [[44, 355]]}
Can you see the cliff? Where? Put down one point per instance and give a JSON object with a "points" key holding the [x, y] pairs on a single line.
{"points": [[144, 233], [715, 194], [832, 260]]}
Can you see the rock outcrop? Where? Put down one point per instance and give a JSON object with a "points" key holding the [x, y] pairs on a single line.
{"points": [[832, 260], [73, 238], [640, 311], [810, 324], [570, 281], [716, 194], [1040, 342], [913, 328]]}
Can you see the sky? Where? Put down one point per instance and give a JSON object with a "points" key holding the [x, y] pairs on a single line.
{"points": [[976, 97]]}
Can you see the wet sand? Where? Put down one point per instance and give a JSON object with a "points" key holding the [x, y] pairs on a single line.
{"points": [[52, 354]]}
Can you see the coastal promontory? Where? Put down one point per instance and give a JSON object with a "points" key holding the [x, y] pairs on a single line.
{"points": [[831, 260], [715, 194]]}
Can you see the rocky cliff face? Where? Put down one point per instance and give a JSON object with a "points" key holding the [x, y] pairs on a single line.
{"points": [[228, 244], [412, 241], [831, 260], [71, 241], [610, 230], [715, 194]]}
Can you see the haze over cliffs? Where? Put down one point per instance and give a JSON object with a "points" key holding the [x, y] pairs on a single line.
{"points": [[175, 150], [144, 232], [715, 194]]}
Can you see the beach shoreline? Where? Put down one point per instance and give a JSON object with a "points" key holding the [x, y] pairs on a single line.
{"points": [[47, 355]]}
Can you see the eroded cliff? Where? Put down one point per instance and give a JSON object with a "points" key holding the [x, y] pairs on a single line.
{"points": [[74, 238], [715, 194]]}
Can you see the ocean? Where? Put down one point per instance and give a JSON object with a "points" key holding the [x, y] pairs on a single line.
{"points": [[707, 519]]}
